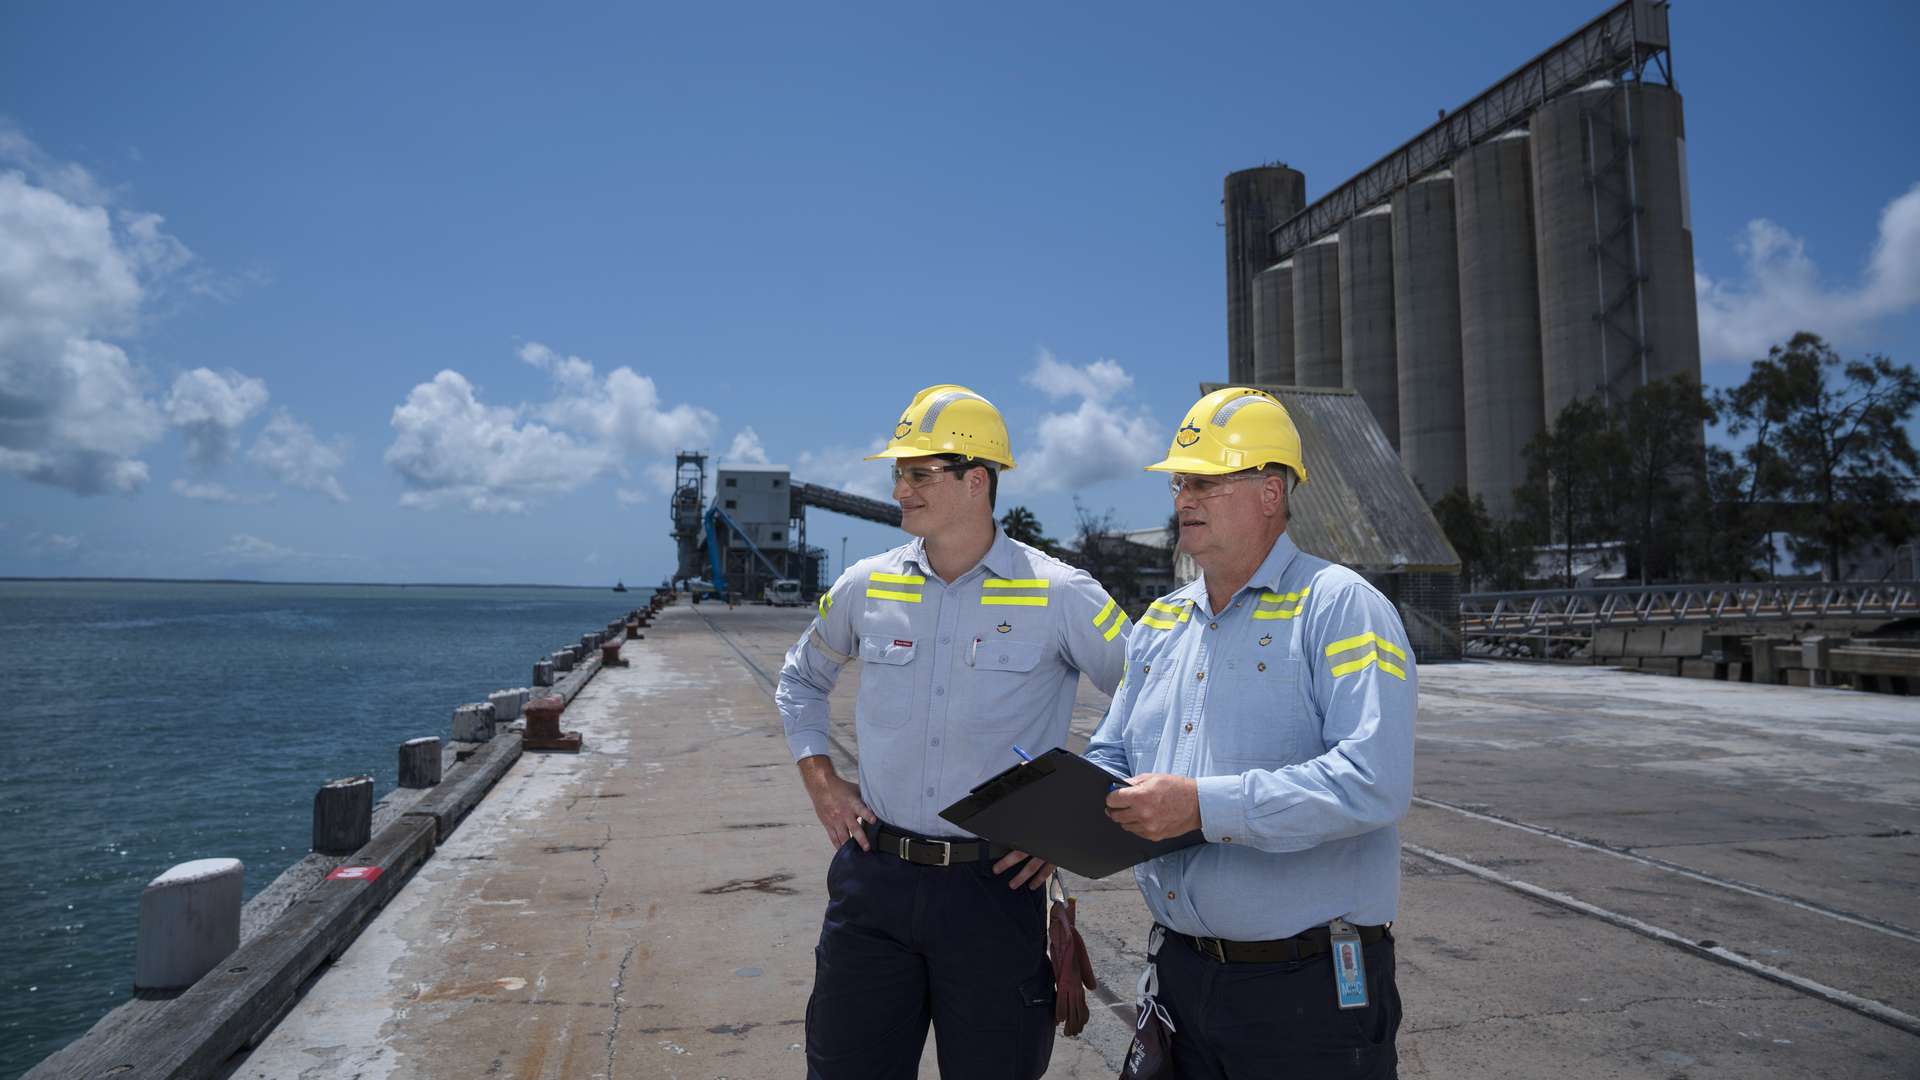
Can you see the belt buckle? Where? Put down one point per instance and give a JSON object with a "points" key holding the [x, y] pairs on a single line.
{"points": [[946, 852], [1211, 947]]}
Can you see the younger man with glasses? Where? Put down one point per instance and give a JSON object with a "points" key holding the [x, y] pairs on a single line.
{"points": [[970, 644]]}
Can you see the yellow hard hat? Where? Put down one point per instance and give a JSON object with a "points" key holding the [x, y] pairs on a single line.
{"points": [[1233, 429], [950, 419]]}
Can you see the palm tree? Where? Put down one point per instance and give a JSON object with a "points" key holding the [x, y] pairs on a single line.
{"points": [[1020, 524]]}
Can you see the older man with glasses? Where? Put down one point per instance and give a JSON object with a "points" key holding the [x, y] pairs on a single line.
{"points": [[971, 644], [1268, 704]]}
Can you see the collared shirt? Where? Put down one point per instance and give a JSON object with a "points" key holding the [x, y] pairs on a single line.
{"points": [[954, 674], [1293, 707]]}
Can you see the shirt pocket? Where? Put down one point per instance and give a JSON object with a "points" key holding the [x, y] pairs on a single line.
{"points": [[1003, 684], [886, 680], [1263, 724]]}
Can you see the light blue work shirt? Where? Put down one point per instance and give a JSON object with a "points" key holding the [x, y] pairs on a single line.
{"points": [[953, 674], [1293, 708]]}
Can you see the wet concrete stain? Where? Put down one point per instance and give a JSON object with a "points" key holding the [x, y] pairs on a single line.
{"points": [[769, 884]]}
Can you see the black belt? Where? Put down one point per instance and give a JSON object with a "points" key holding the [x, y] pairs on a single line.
{"points": [[926, 852], [1309, 943]]}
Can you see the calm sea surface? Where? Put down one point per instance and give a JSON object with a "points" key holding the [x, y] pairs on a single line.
{"points": [[149, 724]]}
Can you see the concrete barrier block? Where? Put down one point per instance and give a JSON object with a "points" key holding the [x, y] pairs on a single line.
{"points": [[1684, 641], [562, 661], [542, 674], [473, 723], [1607, 642], [506, 705], [1643, 641], [189, 922]]}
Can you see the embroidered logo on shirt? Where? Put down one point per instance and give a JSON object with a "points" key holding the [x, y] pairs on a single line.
{"points": [[1005, 628], [1266, 640]]}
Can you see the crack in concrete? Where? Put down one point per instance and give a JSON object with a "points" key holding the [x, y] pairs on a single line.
{"points": [[593, 917], [619, 1004], [1885, 834]]}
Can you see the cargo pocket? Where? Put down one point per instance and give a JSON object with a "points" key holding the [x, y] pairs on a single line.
{"points": [[1000, 685], [886, 680]]}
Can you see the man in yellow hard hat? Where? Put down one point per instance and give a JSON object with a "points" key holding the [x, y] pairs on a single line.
{"points": [[971, 644], [1269, 704]]}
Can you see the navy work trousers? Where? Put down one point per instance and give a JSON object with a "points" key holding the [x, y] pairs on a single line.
{"points": [[1247, 1021], [903, 944]]}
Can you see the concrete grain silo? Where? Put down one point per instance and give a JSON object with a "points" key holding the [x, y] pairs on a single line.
{"points": [[1273, 325], [1368, 361], [1254, 201], [1426, 327], [1597, 153], [1499, 315], [1316, 314]]}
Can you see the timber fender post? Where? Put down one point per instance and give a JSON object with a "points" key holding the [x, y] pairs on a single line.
{"points": [[343, 815], [189, 923], [420, 764]]}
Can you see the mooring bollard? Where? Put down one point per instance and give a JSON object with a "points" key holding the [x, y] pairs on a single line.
{"points": [[610, 655], [506, 705], [542, 673], [633, 631], [562, 660], [189, 922], [343, 815], [473, 723], [420, 762], [543, 727]]}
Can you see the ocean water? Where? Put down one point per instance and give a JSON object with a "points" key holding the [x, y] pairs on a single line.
{"points": [[152, 723]]}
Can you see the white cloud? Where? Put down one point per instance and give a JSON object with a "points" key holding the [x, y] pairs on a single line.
{"points": [[1101, 380], [208, 407], [217, 493], [630, 497], [844, 467], [289, 450], [745, 449], [54, 545], [1781, 290], [244, 547], [452, 449], [74, 411], [1100, 439]]}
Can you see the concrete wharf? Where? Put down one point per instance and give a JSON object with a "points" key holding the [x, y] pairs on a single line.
{"points": [[1606, 875]]}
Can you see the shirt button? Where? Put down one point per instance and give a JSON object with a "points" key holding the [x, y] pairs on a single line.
{"points": [[929, 793], [1262, 665], [1169, 894], [1226, 839], [939, 691], [1003, 658], [1146, 669], [1189, 726], [944, 639], [935, 741], [1199, 675], [1213, 626]]}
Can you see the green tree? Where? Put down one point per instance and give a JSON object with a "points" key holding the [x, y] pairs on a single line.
{"points": [[1019, 523], [1569, 494], [1494, 555], [1830, 435], [1657, 434]]}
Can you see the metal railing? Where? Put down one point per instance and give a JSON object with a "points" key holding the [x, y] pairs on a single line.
{"points": [[1540, 610]]}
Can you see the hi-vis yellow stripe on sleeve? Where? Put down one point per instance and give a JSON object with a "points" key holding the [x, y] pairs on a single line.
{"points": [[894, 594], [826, 603], [1175, 614], [1374, 644], [1035, 594], [1288, 604], [1119, 619]]}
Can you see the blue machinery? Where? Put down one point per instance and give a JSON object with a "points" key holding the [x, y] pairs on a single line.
{"points": [[714, 559]]}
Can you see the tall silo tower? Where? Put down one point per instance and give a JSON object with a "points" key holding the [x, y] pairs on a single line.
{"points": [[1316, 313], [1615, 239], [1273, 325], [1499, 315], [1254, 200], [1367, 359], [1426, 327]]}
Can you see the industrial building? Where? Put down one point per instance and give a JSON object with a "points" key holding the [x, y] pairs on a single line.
{"points": [[1531, 247]]}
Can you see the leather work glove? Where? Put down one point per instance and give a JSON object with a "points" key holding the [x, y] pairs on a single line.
{"points": [[1072, 970]]}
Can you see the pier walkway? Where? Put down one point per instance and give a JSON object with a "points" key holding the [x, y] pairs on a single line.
{"points": [[1606, 875]]}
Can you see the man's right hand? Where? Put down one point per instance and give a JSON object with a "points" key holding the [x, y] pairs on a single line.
{"points": [[836, 802]]}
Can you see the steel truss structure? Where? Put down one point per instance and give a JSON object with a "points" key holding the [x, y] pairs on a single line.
{"points": [[1627, 40], [1578, 610]]}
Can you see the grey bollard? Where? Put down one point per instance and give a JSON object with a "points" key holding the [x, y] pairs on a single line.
{"points": [[562, 661], [542, 674], [506, 705], [588, 643], [420, 762], [189, 922], [473, 723], [343, 815]]}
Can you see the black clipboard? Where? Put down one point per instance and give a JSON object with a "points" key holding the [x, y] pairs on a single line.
{"points": [[1055, 807]]}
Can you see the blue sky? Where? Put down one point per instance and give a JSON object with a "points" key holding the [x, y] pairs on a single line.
{"points": [[461, 278]]}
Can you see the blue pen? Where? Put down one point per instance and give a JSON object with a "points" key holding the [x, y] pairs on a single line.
{"points": [[1024, 756]]}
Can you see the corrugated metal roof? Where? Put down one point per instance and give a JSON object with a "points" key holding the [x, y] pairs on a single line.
{"points": [[1360, 508]]}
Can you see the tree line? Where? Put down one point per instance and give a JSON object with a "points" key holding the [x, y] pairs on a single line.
{"points": [[1818, 455]]}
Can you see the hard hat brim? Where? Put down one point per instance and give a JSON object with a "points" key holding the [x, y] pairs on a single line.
{"points": [[1175, 463], [917, 452]]}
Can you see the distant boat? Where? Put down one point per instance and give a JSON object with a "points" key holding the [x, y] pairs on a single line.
{"points": [[619, 586]]}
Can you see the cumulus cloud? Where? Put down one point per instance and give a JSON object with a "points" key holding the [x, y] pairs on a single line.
{"points": [[1781, 291], [746, 449], [74, 274], [290, 451], [1100, 439], [208, 407], [845, 467], [1101, 380], [452, 449], [217, 493]]}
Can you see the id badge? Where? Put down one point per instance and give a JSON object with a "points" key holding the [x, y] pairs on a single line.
{"points": [[1349, 966]]}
